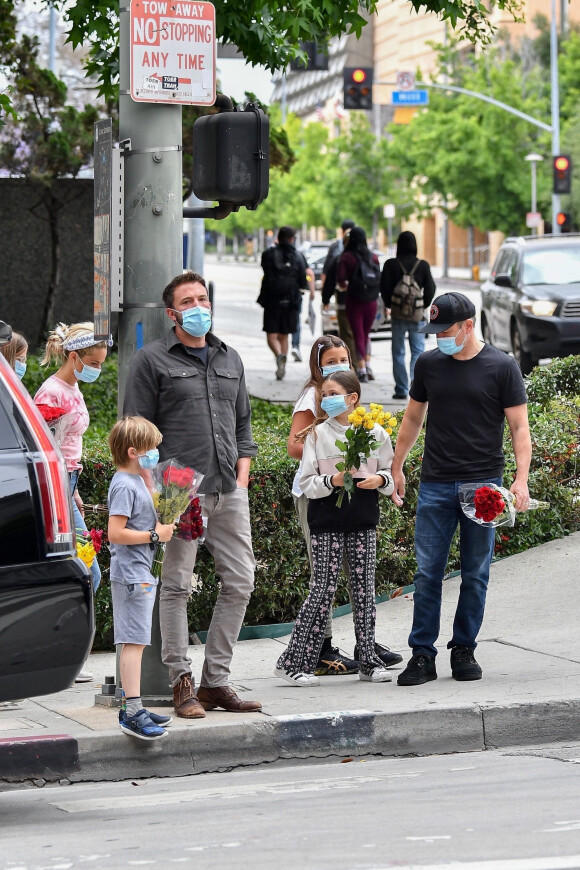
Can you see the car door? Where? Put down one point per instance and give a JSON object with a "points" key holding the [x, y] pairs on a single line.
{"points": [[489, 296], [504, 299]]}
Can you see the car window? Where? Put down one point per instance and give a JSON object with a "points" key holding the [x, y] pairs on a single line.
{"points": [[497, 266], [510, 266], [557, 265]]}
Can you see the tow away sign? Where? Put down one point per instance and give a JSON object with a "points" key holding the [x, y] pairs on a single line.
{"points": [[173, 52]]}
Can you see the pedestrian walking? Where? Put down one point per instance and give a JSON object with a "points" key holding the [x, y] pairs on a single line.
{"points": [[286, 275], [133, 534], [15, 353], [334, 530], [81, 358], [329, 354], [330, 288], [359, 274], [192, 386], [470, 389], [407, 288]]}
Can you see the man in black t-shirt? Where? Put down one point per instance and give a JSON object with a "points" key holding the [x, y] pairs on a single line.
{"points": [[470, 389]]}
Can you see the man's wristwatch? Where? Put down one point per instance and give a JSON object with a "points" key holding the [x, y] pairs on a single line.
{"points": [[153, 536]]}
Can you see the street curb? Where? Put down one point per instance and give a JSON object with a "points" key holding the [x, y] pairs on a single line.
{"points": [[204, 748], [52, 757]]}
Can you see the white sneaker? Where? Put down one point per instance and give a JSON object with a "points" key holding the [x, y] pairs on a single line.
{"points": [[377, 675], [296, 354], [298, 678], [84, 677]]}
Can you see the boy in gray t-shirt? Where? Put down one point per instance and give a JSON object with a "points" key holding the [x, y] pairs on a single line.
{"points": [[134, 532]]}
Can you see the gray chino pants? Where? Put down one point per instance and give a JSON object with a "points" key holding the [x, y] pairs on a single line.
{"points": [[229, 540]]}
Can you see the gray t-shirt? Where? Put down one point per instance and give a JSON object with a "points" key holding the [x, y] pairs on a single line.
{"points": [[129, 497]]}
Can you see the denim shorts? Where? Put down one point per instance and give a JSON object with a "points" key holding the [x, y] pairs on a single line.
{"points": [[132, 611]]}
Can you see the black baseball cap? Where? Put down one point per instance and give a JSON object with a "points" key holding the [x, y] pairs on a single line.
{"points": [[446, 310]]}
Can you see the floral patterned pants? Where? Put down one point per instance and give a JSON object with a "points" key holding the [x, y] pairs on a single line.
{"points": [[303, 650]]}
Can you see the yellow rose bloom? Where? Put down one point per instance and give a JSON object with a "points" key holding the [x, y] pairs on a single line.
{"points": [[360, 410], [369, 425], [389, 431]]}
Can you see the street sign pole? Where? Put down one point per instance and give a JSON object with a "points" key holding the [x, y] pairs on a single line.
{"points": [[150, 135]]}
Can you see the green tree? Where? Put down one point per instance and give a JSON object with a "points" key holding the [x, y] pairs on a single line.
{"points": [[266, 31], [47, 141], [468, 156], [361, 178]]}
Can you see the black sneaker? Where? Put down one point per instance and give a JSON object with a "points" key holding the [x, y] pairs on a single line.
{"points": [[387, 657], [463, 664], [421, 669], [333, 663]]}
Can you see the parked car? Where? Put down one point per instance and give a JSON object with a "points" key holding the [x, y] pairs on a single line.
{"points": [[315, 253], [46, 601], [531, 300]]}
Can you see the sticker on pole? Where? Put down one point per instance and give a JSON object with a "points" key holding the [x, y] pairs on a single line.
{"points": [[173, 52]]}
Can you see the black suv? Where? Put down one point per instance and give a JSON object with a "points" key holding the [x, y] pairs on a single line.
{"points": [[531, 300], [46, 601]]}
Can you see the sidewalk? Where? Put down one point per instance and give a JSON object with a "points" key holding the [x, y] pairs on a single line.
{"points": [[529, 649]]}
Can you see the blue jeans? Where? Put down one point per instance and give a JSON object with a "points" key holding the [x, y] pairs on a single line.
{"points": [[399, 328], [296, 335], [438, 515], [82, 526]]}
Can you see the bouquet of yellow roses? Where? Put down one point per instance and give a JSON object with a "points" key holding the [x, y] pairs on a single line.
{"points": [[359, 442]]}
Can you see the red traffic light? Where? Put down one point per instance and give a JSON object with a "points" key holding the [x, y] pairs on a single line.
{"points": [[564, 221], [562, 166], [358, 88], [359, 76]]}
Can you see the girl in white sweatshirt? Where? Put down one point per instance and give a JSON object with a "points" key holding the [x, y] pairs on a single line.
{"points": [[350, 527]]}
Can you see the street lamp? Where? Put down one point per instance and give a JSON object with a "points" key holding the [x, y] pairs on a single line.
{"points": [[534, 159]]}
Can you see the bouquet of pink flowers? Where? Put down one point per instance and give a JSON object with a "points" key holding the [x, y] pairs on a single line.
{"points": [[490, 505]]}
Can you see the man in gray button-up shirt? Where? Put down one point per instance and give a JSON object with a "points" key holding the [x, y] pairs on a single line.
{"points": [[192, 386]]}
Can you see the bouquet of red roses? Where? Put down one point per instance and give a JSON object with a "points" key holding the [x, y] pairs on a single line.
{"points": [[490, 505], [51, 415], [174, 488]]}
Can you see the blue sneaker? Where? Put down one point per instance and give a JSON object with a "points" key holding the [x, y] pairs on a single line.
{"points": [[156, 718], [160, 719], [141, 726]]}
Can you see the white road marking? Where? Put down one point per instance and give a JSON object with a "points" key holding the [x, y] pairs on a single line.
{"points": [[140, 799], [564, 862], [562, 826]]}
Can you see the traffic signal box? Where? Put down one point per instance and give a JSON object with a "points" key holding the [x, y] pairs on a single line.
{"points": [[317, 58], [231, 157], [358, 88], [562, 164]]}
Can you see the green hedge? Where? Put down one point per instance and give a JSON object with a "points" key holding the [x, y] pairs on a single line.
{"points": [[282, 565]]}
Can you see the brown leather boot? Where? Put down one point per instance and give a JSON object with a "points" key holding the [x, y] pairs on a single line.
{"points": [[186, 704], [226, 698]]}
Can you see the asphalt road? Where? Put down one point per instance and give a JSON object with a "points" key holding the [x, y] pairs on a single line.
{"points": [[478, 811]]}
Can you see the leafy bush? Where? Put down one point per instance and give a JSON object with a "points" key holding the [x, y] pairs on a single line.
{"points": [[282, 572]]}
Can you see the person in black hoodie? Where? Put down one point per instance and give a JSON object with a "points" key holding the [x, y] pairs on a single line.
{"points": [[406, 262]]}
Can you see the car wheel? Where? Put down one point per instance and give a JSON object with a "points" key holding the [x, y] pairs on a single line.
{"points": [[522, 357], [486, 331]]}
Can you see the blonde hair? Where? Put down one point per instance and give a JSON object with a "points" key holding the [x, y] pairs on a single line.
{"points": [[134, 432], [15, 347], [61, 336]]}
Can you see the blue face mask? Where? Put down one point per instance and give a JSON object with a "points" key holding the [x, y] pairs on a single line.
{"points": [[339, 367], [447, 344], [334, 405], [87, 374], [19, 368], [149, 459], [196, 321]]}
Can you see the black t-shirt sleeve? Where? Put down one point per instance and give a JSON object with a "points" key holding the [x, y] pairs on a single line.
{"points": [[512, 387], [418, 391]]}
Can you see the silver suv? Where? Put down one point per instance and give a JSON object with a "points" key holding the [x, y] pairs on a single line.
{"points": [[530, 304]]}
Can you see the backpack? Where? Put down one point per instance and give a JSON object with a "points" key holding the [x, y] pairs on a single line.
{"points": [[365, 282], [282, 276], [407, 298]]}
